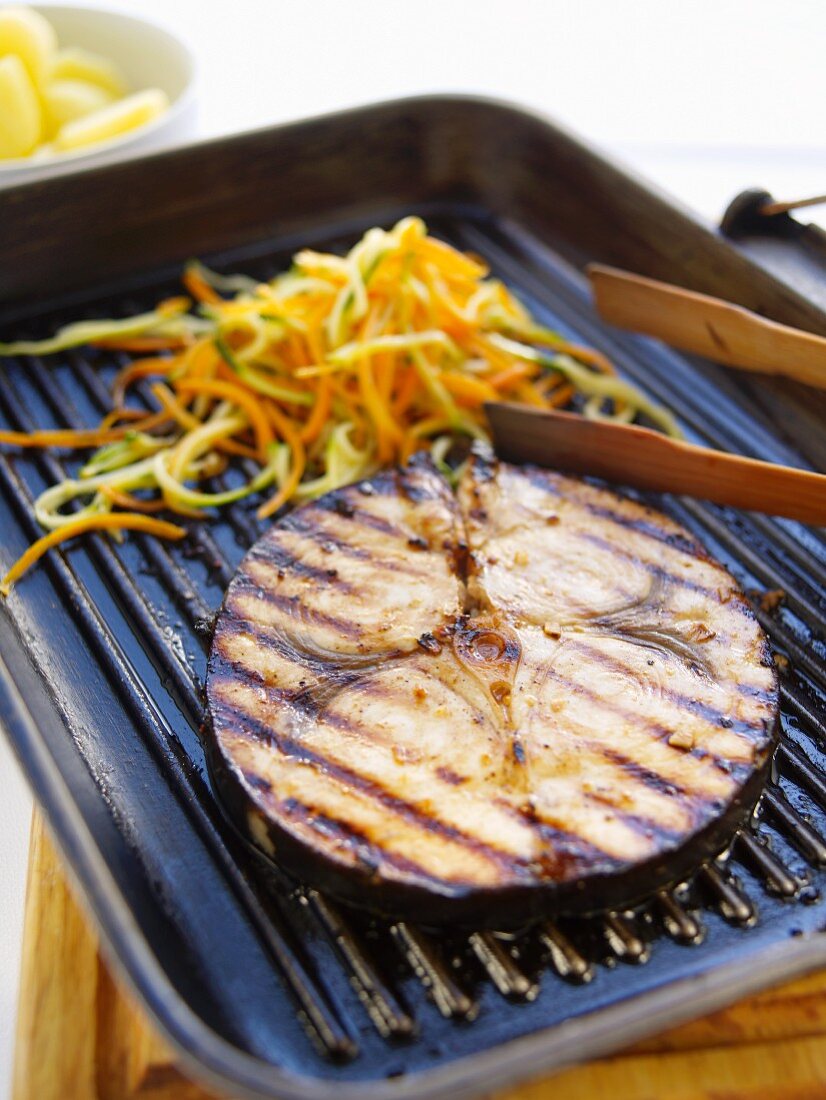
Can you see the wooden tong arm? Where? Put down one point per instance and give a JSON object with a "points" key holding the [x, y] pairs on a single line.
{"points": [[645, 459], [708, 326]]}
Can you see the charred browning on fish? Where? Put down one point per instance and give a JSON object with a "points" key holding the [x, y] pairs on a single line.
{"points": [[419, 813], [681, 701], [656, 571], [447, 775], [532, 696]]}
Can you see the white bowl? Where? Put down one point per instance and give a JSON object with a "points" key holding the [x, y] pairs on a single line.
{"points": [[149, 57]]}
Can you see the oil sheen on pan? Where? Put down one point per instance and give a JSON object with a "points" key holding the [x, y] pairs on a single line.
{"points": [[528, 697]]}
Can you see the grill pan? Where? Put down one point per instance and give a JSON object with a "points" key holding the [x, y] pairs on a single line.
{"points": [[266, 987]]}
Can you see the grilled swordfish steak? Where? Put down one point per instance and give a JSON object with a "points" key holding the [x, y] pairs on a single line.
{"points": [[532, 696]]}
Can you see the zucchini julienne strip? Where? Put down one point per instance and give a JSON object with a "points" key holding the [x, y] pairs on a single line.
{"points": [[157, 322]]}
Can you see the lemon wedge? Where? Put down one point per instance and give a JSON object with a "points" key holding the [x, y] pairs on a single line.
{"points": [[67, 100], [74, 63], [112, 121], [20, 119], [55, 101], [25, 33]]}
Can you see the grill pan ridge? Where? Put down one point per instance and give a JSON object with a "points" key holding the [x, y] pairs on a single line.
{"points": [[268, 987]]}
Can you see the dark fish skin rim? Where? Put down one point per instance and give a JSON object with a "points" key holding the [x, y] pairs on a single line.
{"points": [[497, 907], [435, 902]]}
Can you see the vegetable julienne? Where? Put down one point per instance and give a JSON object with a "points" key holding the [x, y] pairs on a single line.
{"points": [[334, 368], [122, 521]]}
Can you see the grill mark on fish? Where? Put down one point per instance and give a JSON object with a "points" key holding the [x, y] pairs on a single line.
{"points": [[645, 775], [566, 853], [314, 700], [447, 775], [334, 543], [294, 607], [419, 478], [418, 491], [302, 522], [363, 518], [369, 854], [244, 724], [571, 849], [660, 731], [257, 781], [228, 669], [767, 696], [706, 711], [638, 822], [642, 824], [649, 529], [321, 662], [273, 553], [659, 572], [739, 770], [641, 524]]}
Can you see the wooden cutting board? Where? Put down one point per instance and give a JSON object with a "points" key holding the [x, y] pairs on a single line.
{"points": [[81, 1038]]}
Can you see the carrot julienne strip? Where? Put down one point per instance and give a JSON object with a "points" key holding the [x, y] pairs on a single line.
{"points": [[72, 439], [450, 259], [176, 410], [559, 397], [407, 391], [511, 375], [189, 422], [231, 391], [130, 502], [199, 288], [320, 412], [589, 356], [121, 413], [473, 390], [142, 368], [299, 456], [106, 521], [142, 343]]}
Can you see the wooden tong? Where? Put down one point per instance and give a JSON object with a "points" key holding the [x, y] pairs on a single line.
{"points": [[708, 326], [648, 460]]}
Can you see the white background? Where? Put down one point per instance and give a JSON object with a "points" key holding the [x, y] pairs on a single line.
{"points": [[704, 97]]}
